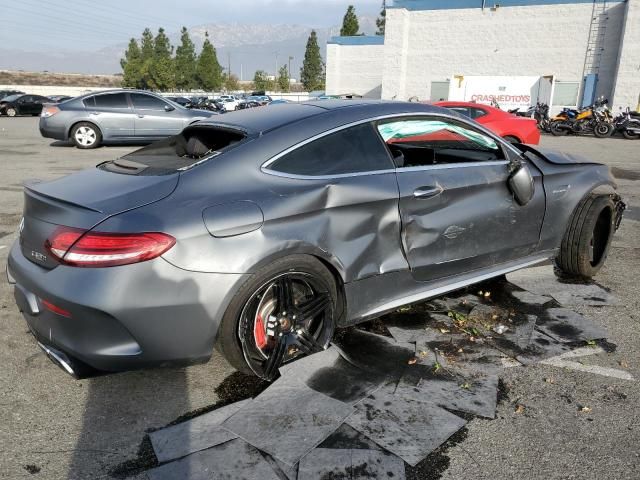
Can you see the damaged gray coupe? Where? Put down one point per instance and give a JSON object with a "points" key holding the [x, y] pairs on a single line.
{"points": [[262, 231]]}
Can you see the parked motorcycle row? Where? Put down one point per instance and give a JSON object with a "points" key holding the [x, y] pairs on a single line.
{"points": [[595, 119]]}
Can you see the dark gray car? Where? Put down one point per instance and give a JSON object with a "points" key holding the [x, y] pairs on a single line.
{"points": [[116, 116], [261, 231]]}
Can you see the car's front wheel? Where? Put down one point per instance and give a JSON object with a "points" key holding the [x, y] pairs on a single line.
{"points": [[86, 135], [11, 112], [286, 310], [586, 242]]}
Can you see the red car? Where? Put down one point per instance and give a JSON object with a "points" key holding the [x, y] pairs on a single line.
{"points": [[510, 127]]}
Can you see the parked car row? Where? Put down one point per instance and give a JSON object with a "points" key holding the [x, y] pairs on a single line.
{"points": [[116, 116], [14, 103]]}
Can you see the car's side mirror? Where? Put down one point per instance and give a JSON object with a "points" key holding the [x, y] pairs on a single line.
{"points": [[168, 108], [521, 183]]}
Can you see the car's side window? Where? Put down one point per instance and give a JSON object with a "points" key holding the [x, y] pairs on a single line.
{"points": [[352, 150], [462, 111], [418, 142], [111, 100], [477, 113], [89, 102], [147, 102]]}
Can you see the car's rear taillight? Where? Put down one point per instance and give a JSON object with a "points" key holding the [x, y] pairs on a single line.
{"points": [[80, 248], [49, 111]]}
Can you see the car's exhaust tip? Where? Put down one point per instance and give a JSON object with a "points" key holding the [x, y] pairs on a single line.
{"points": [[75, 368], [59, 359]]}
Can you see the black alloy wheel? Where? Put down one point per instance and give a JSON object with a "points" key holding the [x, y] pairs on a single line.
{"points": [[287, 317]]}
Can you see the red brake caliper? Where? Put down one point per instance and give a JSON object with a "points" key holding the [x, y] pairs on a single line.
{"points": [[258, 332]]}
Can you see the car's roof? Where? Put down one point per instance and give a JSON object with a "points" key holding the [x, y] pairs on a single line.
{"points": [[483, 106], [261, 120]]}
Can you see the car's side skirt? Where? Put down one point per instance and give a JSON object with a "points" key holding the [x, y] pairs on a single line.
{"points": [[374, 296]]}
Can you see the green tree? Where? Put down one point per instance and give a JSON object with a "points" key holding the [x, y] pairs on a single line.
{"points": [[208, 70], [161, 69], [350, 24], [231, 82], [147, 45], [261, 81], [311, 73], [132, 66], [382, 19], [185, 62], [283, 78]]}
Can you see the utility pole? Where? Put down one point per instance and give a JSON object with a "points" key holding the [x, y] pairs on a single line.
{"points": [[289, 75], [229, 63], [275, 75]]}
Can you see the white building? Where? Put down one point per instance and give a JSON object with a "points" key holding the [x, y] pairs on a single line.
{"points": [[586, 48]]}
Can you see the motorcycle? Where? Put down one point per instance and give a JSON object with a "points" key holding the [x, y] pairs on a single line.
{"points": [[541, 115], [628, 123], [594, 119]]}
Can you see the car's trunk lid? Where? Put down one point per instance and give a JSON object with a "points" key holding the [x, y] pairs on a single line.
{"points": [[82, 200]]}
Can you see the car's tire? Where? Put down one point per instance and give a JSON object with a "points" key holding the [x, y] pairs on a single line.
{"points": [[11, 112], [255, 308], [630, 135], [603, 130], [556, 131], [511, 139], [586, 242], [86, 135]]}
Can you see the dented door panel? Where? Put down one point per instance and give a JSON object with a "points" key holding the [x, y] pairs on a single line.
{"points": [[472, 223]]}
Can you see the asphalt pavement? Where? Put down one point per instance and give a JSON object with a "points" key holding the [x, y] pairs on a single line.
{"points": [[552, 422]]}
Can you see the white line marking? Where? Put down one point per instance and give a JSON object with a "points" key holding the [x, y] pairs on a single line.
{"points": [[562, 361], [2, 246]]}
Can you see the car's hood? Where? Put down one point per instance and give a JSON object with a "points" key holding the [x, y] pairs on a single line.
{"points": [[201, 113], [559, 158]]}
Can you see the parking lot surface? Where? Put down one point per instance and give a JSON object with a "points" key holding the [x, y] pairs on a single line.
{"points": [[551, 422]]}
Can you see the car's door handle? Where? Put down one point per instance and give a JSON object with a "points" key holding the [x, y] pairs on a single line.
{"points": [[427, 192], [140, 116], [95, 113]]}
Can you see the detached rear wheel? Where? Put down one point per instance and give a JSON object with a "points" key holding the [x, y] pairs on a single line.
{"points": [[586, 243], [285, 311]]}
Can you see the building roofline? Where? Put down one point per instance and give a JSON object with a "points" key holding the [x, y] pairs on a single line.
{"points": [[417, 5], [357, 40]]}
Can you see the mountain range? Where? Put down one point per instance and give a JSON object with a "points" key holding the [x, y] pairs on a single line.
{"points": [[247, 47]]}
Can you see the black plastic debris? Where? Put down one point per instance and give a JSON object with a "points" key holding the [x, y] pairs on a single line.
{"points": [[234, 459], [329, 373], [531, 298], [543, 281], [334, 464], [197, 434], [288, 420], [410, 428], [567, 326]]}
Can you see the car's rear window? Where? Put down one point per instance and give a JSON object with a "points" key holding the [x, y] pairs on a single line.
{"points": [[193, 146]]}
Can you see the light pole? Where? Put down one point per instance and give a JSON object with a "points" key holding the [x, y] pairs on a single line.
{"points": [[275, 75], [289, 75]]}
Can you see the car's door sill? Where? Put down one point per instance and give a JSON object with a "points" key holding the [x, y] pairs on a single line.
{"points": [[374, 296]]}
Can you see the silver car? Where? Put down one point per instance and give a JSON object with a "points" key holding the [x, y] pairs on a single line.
{"points": [[116, 116]]}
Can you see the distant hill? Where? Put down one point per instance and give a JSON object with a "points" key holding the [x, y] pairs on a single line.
{"points": [[250, 48], [58, 79]]}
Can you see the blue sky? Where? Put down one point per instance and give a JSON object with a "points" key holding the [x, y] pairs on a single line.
{"points": [[91, 24]]}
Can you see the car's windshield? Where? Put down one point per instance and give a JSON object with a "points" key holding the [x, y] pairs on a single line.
{"points": [[11, 98]]}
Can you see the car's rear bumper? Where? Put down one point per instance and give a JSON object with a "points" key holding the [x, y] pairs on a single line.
{"points": [[51, 129], [123, 318]]}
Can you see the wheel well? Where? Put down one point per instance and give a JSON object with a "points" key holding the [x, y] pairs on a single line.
{"points": [[82, 121], [515, 137]]}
